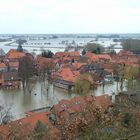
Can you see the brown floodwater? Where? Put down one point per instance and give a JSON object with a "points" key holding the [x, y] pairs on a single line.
{"points": [[42, 95]]}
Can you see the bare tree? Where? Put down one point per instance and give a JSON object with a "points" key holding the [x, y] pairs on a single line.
{"points": [[5, 115], [26, 70]]}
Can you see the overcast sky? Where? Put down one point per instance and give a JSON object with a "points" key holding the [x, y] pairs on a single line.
{"points": [[69, 16]]}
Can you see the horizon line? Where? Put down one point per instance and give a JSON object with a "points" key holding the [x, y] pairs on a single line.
{"points": [[62, 33]]}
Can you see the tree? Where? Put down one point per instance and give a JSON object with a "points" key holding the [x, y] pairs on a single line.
{"points": [[131, 45], [98, 50], [95, 48], [40, 131], [21, 41], [130, 74], [120, 122], [44, 53], [83, 52], [127, 119], [46, 67], [31, 85], [26, 70], [82, 85], [47, 54], [5, 115]]}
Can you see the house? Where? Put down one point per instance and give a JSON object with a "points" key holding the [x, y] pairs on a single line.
{"points": [[10, 80], [14, 55], [67, 109], [74, 55], [27, 123], [66, 60], [125, 53], [91, 67], [3, 67], [44, 65], [13, 66], [78, 65], [60, 55], [104, 57], [94, 68], [92, 57], [111, 66], [65, 77]]}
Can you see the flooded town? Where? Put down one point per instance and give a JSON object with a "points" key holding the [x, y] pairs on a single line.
{"points": [[21, 102], [36, 76], [69, 70]]}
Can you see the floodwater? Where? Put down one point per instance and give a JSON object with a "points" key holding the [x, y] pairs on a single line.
{"points": [[42, 95], [56, 45]]}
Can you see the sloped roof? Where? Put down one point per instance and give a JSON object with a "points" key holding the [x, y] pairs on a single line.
{"points": [[92, 56], [78, 104], [96, 57], [104, 56], [31, 120], [60, 54], [14, 54], [125, 53], [78, 65], [74, 54], [67, 74]]}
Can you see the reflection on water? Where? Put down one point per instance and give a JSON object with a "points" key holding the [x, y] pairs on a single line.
{"points": [[21, 102], [110, 88]]}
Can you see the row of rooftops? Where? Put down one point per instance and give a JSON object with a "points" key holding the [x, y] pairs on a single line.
{"points": [[67, 65]]}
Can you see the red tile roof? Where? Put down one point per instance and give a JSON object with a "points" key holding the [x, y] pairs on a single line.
{"points": [[13, 54], [96, 57], [104, 56], [67, 74], [66, 58], [31, 120], [103, 100], [125, 53], [60, 54], [79, 104], [92, 57], [43, 60], [74, 54], [78, 65]]}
